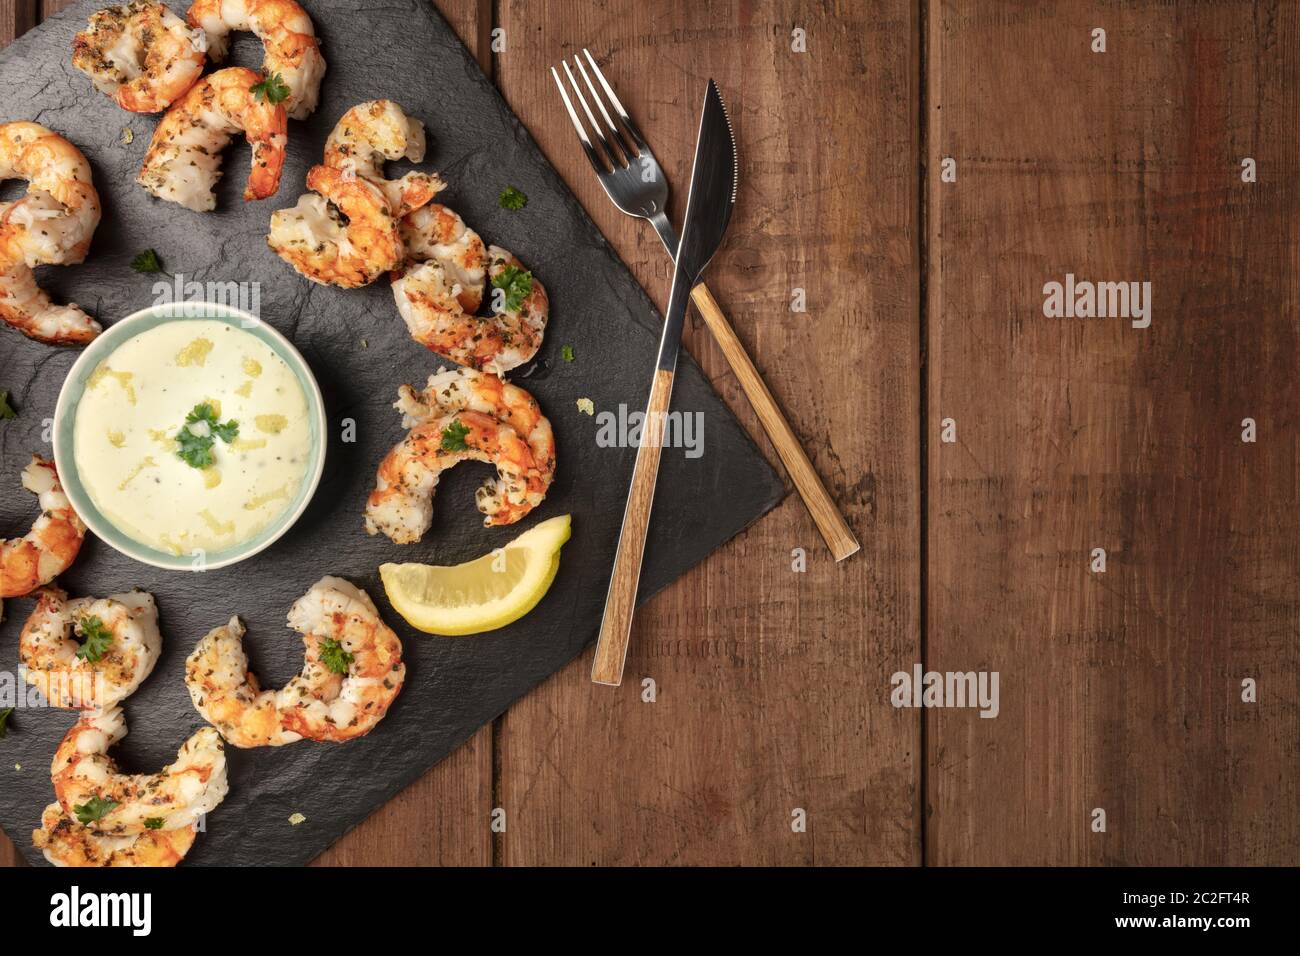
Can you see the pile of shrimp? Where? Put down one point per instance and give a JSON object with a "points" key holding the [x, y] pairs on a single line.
{"points": [[51, 225], [346, 231], [351, 674], [462, 415], [147, 59], [355, 225]]}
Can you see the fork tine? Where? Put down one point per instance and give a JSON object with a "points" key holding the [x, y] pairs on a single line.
{"points": [[577, 125], [618, 106], [614, 158], [615, 133]]}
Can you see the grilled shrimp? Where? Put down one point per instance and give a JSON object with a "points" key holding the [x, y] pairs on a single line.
{"points": [[463, 415], [428, 298], [70, 677], [51, 546], [344, 624], [141, 54], [437, 233], [287, 34], [372, 132], [65, 842], [227, 695], [342, 234], [53, 224], [85, 776], [183, 162], [465, 389]]}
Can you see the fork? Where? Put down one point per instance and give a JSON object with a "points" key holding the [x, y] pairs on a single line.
{"points": [[635, 183]]}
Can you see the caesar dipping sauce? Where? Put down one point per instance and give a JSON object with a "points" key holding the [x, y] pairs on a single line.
{"points": [[192, 435]]}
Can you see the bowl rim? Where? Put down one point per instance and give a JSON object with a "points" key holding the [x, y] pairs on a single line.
{"points": [[116, 335]]}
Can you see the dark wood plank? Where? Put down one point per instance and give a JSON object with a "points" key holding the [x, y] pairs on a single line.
{"points": [[1119, 690], [772, 685]]}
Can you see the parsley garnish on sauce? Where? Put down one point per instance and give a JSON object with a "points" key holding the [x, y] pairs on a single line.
{"points": [[273, 89], [453, 437], [517, 285], [512, 199], [6, 410], [147, 261], [5, 712], [97, 639], [334, 657], [93, 809], [201, 429]]}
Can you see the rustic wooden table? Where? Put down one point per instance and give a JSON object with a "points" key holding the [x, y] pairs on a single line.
{"points": [[920, 171]]}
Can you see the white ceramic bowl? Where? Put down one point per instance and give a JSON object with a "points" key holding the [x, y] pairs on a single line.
{"points": [[74, 387]]}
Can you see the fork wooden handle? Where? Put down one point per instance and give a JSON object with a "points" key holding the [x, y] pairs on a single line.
{"points": [[839, 537], [620, 602]]}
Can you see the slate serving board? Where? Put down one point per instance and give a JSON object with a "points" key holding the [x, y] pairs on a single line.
{"points": [[360, 351]]}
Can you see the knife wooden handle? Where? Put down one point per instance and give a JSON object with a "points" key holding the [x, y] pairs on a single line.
{"points": [[839, 537], [620, 602]]}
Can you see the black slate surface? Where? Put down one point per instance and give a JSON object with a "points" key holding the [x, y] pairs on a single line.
{"points": [[360, 351]]}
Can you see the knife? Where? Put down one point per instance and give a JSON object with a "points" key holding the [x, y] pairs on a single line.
{"points": [[708, 211]]}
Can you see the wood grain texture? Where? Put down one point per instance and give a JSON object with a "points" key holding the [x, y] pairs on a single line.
{"points": [[1119, 690], [772, 686], [787, 445], [620, 601]]}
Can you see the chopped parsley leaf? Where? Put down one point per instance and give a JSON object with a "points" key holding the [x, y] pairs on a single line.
{"points": [[93, 809], [453, 437], [196, 449], [5, 713], [566, 352], [153, 823], [273, 89], [334, 657], [147, 261], [517, 285], [97, 639], [512, 199], [6, 410]]}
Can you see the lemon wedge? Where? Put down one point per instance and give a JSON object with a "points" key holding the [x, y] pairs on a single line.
{"points": [[483, 594]]}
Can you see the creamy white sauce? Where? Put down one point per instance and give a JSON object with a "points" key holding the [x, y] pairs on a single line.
{"points": [[135, 404]]}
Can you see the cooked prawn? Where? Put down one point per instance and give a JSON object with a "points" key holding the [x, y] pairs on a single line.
{"points": [[85, 776], [342, 234], [65, 842], [52, 224], [183, 162], [287, 34], [51, 546], [427, 297], [372, 132], [26, 306], [401, 506], [226, 693], [82, 681], [344, 622], [437, 233], [460, 389], [141, 54]]}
